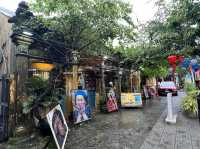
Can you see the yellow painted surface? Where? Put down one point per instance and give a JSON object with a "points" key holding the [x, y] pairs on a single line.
{"points": [[68, 86], [12, 91], [43, 66], [151, 82], [97, 101], [129, 100]]}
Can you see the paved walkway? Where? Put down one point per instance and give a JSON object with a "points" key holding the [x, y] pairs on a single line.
{"points": [[126, 129], [185, 134], [130, 129]]}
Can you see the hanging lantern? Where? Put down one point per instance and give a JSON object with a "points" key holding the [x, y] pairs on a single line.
{"points": [[195, 67], [181, 59], [193, 62], [172, 59], [186, 63]]}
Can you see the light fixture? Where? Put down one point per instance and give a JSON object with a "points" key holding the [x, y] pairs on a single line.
{"points": [[105, 57], [27, 33], [42, 66], [120, 71], [194, 26]]}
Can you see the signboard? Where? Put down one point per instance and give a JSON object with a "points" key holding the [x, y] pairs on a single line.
{"points": [[81, 108], [58, 126], [131, 100], [168, 85], [111, 102]]}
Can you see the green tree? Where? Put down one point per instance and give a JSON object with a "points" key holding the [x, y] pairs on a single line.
{"points": [[88, 25], [180, 28], [174, 30]]}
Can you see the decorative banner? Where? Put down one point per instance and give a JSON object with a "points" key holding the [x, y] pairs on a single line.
{"points": [[81, 108], [131, 100], [58, 126], [111, 101]]}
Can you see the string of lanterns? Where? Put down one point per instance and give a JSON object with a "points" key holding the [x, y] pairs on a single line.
{"points": [[189, 64]]}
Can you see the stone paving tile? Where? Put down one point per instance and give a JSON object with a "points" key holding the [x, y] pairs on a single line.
{"points": [[185, 134], [135, 129], [125, 129]]}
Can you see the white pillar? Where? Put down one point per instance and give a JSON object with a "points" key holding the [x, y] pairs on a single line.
{"points": [[171, 118]]}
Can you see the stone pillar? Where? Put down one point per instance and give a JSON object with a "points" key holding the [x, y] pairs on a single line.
{"points": [[171, 118]]}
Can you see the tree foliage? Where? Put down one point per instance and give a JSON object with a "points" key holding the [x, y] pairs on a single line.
{"points": [[88, 25], [180, 29], [175, 29]]}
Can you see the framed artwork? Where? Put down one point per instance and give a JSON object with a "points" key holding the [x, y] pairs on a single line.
{"points": [[81, 108], [111, 102], [58, 126], [131, 100]]}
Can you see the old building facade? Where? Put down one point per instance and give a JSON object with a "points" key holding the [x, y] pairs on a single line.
{"points": [[6, 46]]}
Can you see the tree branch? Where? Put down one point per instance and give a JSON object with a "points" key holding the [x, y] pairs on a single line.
{"points": [[89, 43]]}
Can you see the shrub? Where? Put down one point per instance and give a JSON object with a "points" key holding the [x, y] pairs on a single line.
{"points": [[189, 103]]}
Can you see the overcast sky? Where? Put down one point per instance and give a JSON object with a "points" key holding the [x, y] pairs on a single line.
{"points": [[143, 10]]}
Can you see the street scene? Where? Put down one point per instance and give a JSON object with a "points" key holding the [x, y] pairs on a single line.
{"points": [[100, 74]]}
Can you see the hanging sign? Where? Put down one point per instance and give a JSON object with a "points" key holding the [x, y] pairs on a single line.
{"points": [[81, 108], [58, 126], [131, 100]]}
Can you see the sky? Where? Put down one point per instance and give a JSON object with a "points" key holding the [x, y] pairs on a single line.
{"points": [[143, 10]]}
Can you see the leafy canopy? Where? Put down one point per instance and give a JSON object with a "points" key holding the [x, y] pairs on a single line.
{"points": [[174, 30], [88, 25]]}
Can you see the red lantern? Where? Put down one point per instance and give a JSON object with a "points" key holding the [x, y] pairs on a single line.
{"points": [[181, 59], [172, 59]]}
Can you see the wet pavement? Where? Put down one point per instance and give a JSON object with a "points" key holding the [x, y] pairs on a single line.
{"points": [[126, 129], [185, 134], [133, 128]]}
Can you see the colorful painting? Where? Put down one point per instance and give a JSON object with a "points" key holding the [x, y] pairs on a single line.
{"points": [[58, 126], [131, 99], [111, 101], [81, 108]]}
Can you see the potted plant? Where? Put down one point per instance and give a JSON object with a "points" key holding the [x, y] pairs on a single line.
{"points": [[41, 97], [189, 103]]}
